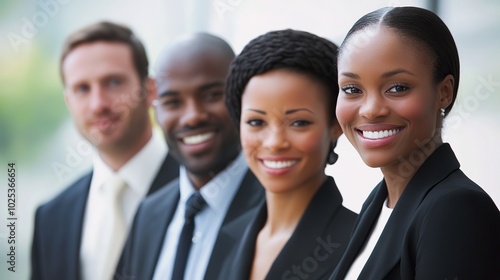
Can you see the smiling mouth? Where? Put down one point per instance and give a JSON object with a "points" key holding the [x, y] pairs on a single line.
{"points": [[380, 134], [278, 164], [198, 138]]}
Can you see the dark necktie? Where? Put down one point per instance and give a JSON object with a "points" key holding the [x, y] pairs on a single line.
{"points": [[194, 205]]}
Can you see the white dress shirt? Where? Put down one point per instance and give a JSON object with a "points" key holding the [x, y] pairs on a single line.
{"points": [[358, 265], [218, 193], [139, 173]]}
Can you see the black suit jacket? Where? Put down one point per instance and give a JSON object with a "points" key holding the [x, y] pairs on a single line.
{"points": [[313, 250], [145, 241], [58, 227], [444, 226]]}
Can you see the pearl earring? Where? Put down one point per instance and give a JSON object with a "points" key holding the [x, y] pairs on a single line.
{"points": [[442, 112]]}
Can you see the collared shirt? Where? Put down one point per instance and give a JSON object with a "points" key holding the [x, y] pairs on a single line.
{"points": [[358, 265], [139, 173], [218, 193]]}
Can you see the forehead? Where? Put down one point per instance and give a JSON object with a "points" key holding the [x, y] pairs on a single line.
{"points": [[381, 48], [284, 89], [97, 59], [188, 69]]}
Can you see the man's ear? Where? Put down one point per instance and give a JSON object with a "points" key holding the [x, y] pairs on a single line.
{"points": [[446, 91], [151, 90]]}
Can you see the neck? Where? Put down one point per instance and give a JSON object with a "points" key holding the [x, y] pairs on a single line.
{"points": [[116, 158], [398, 176], [284, 210]]}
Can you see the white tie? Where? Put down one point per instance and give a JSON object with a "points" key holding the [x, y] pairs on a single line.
{"points": [[113, 230]]}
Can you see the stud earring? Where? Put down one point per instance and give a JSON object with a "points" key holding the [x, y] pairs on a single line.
{"points": [[443, 112]]}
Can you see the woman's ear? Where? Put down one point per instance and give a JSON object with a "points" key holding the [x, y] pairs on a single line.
{"points": [[335, 130], [446, 91]]}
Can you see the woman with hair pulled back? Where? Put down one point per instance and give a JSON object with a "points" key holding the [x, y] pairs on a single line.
{"points": [[398, 72], [281, 92]]}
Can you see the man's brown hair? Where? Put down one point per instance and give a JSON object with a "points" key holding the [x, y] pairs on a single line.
{"points": [[108, 32]]}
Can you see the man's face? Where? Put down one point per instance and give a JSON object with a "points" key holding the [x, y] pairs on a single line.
{"points": [[105, 96], [193, 116]]}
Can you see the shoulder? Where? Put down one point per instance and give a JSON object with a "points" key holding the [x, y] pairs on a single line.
{"points": [[456, 193], [68, 198], [457, 207], [161, 198]]}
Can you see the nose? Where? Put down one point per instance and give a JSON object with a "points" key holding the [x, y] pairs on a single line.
{"points": [[276, 138], [99, 101], [194, 114], [374, 106]]}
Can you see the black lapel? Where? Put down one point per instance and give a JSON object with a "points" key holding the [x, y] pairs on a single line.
{"points": [[240, 263], [70, 226], [436, 168], [153, 223], [249, 195], [169, 170], [368, 215], [310, 234]]}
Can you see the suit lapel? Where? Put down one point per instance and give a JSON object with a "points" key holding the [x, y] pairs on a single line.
{"points": [[368, 215], [169, 170], [159, 218], [249, 195], [310, 228], [72, 229], [436, 168]]}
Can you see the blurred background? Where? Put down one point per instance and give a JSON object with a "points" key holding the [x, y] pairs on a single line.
{"points": [[36, 131]]}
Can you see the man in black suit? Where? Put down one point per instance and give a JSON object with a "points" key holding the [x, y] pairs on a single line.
{"points": [[104, 69], [200, 135]]}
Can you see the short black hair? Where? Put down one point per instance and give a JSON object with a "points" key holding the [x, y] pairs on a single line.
{"points": [[423, 27], [289, 49]]}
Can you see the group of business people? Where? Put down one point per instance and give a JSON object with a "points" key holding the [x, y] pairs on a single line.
{"points": [[242, 193]]}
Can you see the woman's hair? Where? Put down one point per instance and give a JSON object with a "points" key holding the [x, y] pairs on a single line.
{"points": [[423, 28], [293, 50]]}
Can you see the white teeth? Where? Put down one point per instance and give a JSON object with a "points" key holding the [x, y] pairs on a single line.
{"points": [[279, 164], [197, 139], [379, 134]]}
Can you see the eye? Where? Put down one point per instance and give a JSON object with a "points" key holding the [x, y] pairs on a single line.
{"points": [[255, 122], [301, 123], [169, 103], [398, 88], [114, 82], [350, 89], [83, 88], [213, 96]]}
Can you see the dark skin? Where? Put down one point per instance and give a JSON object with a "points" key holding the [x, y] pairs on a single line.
{"points": [[190, 108]]}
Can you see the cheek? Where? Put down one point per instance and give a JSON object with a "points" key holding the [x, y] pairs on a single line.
{"points": [[166, 120], [250, 141], [345, 112], [315, 143]]}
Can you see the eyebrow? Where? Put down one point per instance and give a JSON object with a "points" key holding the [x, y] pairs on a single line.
{"points": [[395, 72], [287, 112], [385, 75]]}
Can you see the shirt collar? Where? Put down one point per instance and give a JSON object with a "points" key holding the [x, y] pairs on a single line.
{"points": [[139, 172], [218, 192]]}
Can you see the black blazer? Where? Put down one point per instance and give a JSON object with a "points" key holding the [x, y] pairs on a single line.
{"points": [[313, 250], [58, 227], [153, 218], [444, 226]]}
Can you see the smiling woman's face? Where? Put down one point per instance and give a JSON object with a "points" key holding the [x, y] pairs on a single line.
{"points": [[285, 130], [388, 104]]}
